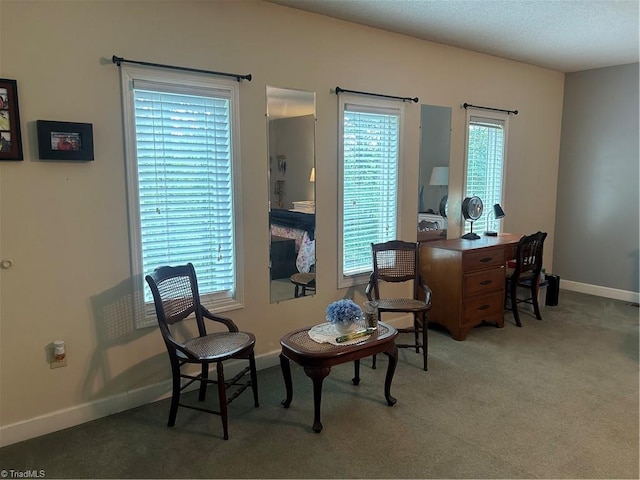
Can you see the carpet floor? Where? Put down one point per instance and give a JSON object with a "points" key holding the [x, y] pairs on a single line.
{"points": [[557, 398]]}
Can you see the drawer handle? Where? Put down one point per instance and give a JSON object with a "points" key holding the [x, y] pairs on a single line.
{"points": [[486, 259], [483, 307], [486, 282]]}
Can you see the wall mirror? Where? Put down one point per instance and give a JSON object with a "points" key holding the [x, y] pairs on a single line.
{"points": [[433, 187], [291, 125]]}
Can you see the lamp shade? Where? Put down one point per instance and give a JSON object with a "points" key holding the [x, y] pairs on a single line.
{"points": [[312, 177], [498, 212], [439, 176]]}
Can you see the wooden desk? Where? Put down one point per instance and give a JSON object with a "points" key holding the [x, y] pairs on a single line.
{"points": [[467, 280], [318, 358]]}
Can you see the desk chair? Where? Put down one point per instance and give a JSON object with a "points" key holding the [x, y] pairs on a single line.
{"points": [[176, 297], [397, 261], [526, 273]]}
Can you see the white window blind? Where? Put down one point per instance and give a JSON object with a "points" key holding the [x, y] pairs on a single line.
{"points": [[370, 153], [182, 193], [485, 166]]}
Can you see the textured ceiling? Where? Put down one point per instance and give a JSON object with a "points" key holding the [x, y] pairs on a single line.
{"points": [[563, 35]]}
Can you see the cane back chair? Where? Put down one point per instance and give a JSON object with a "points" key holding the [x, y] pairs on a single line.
{"points": [[526, 273], [397, 261], [176, 297]]}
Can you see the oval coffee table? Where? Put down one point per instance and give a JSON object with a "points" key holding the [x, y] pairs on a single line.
{"points": [[318, 358]]}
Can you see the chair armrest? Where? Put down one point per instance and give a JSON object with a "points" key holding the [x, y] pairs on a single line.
{"points": [[219, 318], [427, 291], [367, 291], [176, 344]]}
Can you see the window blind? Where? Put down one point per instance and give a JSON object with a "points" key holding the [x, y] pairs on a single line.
{"points": [[485, 167], [370, 182], [184, 161]]}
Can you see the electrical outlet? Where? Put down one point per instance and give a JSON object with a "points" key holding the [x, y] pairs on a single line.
{"points": [[58, 363]]}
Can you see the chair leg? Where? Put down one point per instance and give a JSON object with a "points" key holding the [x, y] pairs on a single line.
{"points": [[373, 360], [254, 379], [416, 332], [175, 392], [204, 375], [222, 396], [425, 341], [534, 301], [514, 302]]}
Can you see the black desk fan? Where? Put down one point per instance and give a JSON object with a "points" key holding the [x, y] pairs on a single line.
{"points": [[472, 211]]}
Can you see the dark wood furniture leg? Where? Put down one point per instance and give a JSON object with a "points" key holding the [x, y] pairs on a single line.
{"points": [[514, 303], [393, 361], [317, 375], [425, 342], [222, 398], [285, 366], [356, 372], [534, 300]]}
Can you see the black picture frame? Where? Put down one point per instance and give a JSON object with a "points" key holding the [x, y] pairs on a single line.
{"points": [[10, 134], [68, 141]]}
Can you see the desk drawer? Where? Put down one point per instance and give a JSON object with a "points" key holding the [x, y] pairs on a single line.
{"points": [[477, 309], [484, 281], [482, 259]]}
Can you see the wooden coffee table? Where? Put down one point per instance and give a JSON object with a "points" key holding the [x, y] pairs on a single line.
{"points": [[318, 358]]}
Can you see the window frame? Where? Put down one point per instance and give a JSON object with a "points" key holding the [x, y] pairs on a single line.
{"points": [[168, 81], [490, 117], [345, 281]]}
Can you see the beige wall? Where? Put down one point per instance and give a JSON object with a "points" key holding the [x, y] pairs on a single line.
{"points": [[65, 225]]}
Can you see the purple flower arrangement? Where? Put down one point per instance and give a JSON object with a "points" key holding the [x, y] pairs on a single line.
{"points": [[343, 311]]}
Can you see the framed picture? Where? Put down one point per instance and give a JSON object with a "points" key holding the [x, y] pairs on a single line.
{"points": [[65, 140], [10, 137]]}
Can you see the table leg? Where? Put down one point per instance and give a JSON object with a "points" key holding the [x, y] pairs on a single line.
{"points": [[393, 360], [356, 370], [317, 376], [286, 373]]}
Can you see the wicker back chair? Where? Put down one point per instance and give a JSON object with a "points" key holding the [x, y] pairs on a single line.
{"points": [[176, 297], [525, 274], [396, 261]]}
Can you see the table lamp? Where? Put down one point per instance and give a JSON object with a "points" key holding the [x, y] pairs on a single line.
{"points": [[439, 177], [498, 213]]}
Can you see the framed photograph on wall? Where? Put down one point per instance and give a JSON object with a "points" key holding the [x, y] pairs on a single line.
{"points": [[10, 136], [65, 140]]}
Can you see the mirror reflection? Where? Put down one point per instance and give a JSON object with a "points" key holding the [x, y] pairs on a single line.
{"points": [[433, 188], [291, 116]]}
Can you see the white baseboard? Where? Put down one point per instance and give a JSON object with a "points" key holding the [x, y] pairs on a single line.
{"points": [[86, 412], [606, 292]]}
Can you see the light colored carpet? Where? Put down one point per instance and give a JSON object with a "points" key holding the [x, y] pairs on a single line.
{"points": [[282, 289], [557, 398]]}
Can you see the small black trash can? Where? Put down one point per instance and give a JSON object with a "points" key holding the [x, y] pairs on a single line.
{"points": [[553, 289]]}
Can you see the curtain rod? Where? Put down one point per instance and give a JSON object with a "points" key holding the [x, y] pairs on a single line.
{"points": [[404, 99], [465, 105], [238, 77]]}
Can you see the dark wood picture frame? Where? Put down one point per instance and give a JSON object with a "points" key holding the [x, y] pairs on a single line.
{"points": [[10, 135], [69, 141]]}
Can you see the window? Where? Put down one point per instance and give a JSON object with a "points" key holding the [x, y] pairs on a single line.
{"points": [[486, 149], [368, 194], [180, 133]]}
